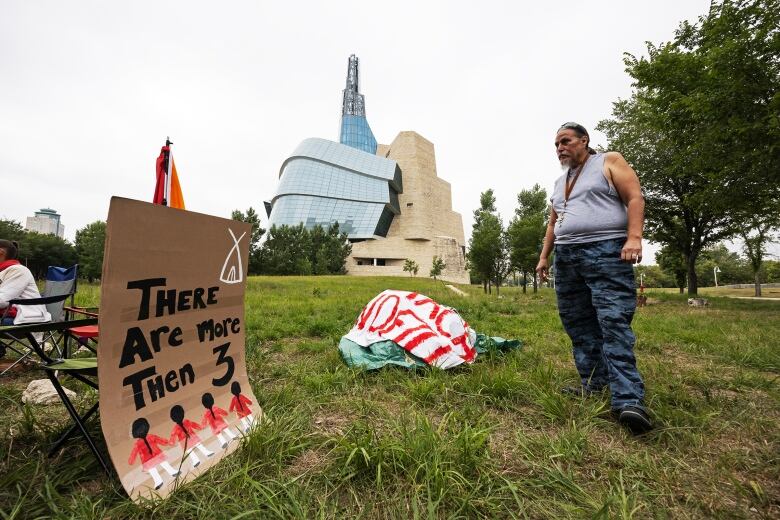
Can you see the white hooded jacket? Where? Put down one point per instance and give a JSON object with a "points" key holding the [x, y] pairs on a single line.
{"points": [[17, 282]]}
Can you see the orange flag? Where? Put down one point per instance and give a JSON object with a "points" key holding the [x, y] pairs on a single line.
{"points": [[175, 198], [167, 191]]}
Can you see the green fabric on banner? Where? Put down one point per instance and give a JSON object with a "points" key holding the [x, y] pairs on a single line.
{"points": [[377, 355], [485, 344], [382, 353]]}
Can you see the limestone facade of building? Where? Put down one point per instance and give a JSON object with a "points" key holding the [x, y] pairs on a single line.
{"points": [[426, 226]]}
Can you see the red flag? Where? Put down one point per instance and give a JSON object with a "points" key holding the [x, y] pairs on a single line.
{"points": [[162, 170], [167, 181]]}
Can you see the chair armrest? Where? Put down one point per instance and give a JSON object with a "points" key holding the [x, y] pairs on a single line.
{"points": [[40, 301], [28, 330], [91, 312], [46, 326]]}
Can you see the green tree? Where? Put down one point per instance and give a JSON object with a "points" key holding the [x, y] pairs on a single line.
{"points": [[654, 276], [296, 250], [330, 250], [411, 267], [703, 124], [251, 217], [502, 265], [731, 267], [487, 244], [11, 230], [526, 231], [286, 251], [771, 271], [672, 262], [437, 266], [38, 251], [90, 241], [755, 238]]}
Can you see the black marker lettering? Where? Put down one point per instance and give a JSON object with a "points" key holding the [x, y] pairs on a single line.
{"points": [[156, 388], [183, 302], [145, 286], [205, 327], [135, 344], [170, 381], [197, 298], [223, 358], [166, 299], [186, 370], [173, 339], [155, 335], [135, 380]]}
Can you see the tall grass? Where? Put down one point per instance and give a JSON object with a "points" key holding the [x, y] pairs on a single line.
{"points": [[495, 439]]}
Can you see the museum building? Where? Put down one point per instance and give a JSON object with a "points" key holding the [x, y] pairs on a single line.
{"points": [[388, 199]]}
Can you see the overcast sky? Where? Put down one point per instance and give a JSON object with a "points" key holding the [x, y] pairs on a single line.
{"points": [[90, 90]]}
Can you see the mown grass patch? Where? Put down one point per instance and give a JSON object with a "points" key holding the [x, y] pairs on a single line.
{"points": [[495, 439]]}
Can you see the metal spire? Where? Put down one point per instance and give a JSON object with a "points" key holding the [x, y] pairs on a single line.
{"points": [[354, 103]]}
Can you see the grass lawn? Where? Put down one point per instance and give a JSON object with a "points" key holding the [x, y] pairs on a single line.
{"points": [[773, 292], [495, 439]]}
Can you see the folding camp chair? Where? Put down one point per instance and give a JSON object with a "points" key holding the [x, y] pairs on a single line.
{"points": [[60, 285], [86, 335], [83, 369]]}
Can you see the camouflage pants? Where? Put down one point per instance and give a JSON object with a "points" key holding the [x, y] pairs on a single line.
{"points": [[596, 302]]}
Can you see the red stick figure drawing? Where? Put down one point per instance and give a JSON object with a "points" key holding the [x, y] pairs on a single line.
{"points": [[213, 416], [147, 448], [240, 405], [184, 432]]}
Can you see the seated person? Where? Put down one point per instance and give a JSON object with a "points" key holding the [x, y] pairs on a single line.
{"points": [[17, 282]]}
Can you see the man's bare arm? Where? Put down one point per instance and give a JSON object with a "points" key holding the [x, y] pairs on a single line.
{"points": [[547, 245], [626, 182]]}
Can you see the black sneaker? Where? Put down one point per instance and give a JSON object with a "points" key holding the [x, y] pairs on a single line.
{"points": [[635, 419]]}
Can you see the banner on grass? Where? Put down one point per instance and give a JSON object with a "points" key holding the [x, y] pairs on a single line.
{"points": [[174, 393]]}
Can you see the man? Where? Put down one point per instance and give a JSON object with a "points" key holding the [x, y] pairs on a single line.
{"points": [[596, 225], [17, 282]]}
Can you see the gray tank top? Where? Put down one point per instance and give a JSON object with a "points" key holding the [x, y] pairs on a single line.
{"points": [[594, 211]]}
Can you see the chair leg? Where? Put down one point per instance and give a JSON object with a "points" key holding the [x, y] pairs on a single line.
{"points": [[77, 418], [91, 346], [66, 344], [24, 356], [10, 346], [50, 338], [66, 435]]}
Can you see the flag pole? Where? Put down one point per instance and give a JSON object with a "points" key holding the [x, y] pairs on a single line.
{"points": [[167, 196]]}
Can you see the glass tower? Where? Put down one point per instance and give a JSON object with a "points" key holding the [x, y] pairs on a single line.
{"points": [[324, 182], [355, 131]]}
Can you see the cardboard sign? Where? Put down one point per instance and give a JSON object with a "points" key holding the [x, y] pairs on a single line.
{"points": [[174, 393]]}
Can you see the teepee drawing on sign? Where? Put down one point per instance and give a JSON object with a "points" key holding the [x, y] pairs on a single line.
{"points": [[232, 270]]}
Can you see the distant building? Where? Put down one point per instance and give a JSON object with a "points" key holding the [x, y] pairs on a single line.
{"points": [[355, 131], [46, 221], [386, 198], [426, 226]]}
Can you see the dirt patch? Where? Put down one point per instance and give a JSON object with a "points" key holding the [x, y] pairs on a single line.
{"points": [[92, 487], [503, 441], [680, 362], [306, 462], [331, 423], [10, 366], [392, 407], [19, 376]]}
